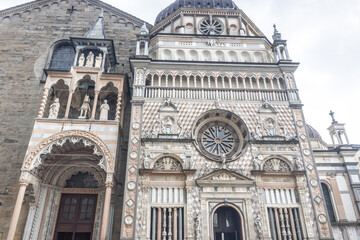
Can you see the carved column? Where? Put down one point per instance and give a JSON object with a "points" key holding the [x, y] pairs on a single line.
{"points": [[106, 211], [17, 210], [118, 106], [43, 102], [71, 92], [94, 105]]}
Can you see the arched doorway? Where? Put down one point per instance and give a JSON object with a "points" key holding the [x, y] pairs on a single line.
{"points": [[227, 224]]}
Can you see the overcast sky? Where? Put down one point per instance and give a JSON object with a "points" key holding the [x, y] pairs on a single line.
{"points": [[323, 35]]}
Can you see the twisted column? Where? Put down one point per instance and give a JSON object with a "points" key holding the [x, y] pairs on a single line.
{"points": [[43, 102], [118, 106]]}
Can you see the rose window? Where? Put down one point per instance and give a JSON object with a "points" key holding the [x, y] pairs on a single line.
{"points": [[218, 140], [211, 27]]}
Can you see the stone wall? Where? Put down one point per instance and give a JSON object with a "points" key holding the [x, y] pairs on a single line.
{"points": [[26, 36]]}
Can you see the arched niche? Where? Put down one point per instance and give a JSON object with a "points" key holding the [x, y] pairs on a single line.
{"points": [[220, 56], [233, 56], [83, 96], [258, 57], [245, 57], [167, 163], [110, 94], [167, 54], [60, 91], [180, 55], [194, 56], [206, 55]]}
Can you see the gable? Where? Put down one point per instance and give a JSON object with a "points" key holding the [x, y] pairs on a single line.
{"points": [[110, 12], [224, 177]]}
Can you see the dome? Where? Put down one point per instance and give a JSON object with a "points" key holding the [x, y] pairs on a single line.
{"points": [[312, 132], [216, 4]]}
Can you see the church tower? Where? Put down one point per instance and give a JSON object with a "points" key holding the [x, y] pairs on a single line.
{"points": [[218, 147]]}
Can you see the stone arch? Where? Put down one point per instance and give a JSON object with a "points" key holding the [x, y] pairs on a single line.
{"points": [[236, 209], [60, 177], [107, 162], [329, 200], [277, 164]]}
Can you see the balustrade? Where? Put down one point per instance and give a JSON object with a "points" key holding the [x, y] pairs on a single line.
{"points": [[224, 94], [167, 223]]}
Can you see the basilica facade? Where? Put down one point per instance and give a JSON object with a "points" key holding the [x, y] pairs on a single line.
{"points": [[188, 129]]}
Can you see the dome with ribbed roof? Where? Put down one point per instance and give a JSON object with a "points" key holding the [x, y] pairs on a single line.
{"points": [[214, 4], [312, 132]]}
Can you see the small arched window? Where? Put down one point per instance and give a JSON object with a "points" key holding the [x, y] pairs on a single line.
{"points": [[328, 202], [62, 57]]}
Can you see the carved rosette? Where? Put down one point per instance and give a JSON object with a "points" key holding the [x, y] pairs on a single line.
{"points": [[324, 226]]}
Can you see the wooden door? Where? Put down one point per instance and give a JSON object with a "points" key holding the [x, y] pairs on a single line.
{"points": [[76, 217], [226, 223]]}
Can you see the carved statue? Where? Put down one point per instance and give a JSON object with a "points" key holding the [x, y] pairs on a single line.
{"points": [[146, 162], [90, 60], [81, 61], [298, 164], [223, 160], [256, 164], [85, 107], [104, 110], [167, 125], [98, 61], [270, 127], [258, 226], [54, 109]]}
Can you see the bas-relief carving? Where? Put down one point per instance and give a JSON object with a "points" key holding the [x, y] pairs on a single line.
{"points": [[167, 163], [33, 160], [276, 165]]}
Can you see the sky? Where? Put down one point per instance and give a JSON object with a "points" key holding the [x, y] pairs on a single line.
{"points": [[323, 35]]}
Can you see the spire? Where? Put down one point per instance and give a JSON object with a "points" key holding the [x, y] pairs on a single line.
{"points": [[97, 31], [144, 30]]}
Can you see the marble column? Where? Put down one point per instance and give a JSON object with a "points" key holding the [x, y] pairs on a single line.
{"points": [[95, 105], [106, 211], [71, 92], [17, 210]]}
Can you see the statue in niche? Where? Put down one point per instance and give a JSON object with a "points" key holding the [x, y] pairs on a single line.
{"points": [[168, 125], [98, 61], [85, 107], [81, 61], [146, 162], [90, 59], [54, 109], [223, 161], [104, 110], [256, 163], [270, 127]]}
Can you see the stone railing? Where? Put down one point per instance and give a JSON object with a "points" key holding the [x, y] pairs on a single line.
{"points": [[224, 94]]}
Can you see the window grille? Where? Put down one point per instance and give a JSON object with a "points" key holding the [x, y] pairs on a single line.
{"points": [[285, 223], [167, 223], [62, 57]]}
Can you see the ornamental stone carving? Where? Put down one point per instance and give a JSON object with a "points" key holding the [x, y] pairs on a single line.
{"points": [[54, 109], [33, 159], [276, 165], [168, 163]]}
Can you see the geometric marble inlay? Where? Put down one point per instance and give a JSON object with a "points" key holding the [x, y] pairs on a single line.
{"points": [[132, 170], [130, 202], [318, 199], [310, 167]]}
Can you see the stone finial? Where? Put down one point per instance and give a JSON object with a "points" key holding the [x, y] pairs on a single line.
{"points": [[144, 30], [276, 35], [332, 114]]}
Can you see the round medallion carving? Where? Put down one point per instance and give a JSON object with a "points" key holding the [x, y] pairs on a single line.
{"points": [[300, 123], [136, 126], [260, 157], [129, 220], [314, 182], [133, 155], [131, 186], [322, 218], [307, 152]]}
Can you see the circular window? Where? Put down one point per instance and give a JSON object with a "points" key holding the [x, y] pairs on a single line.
{"points": [[220, 134], [211, 26], [218, 139]]}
